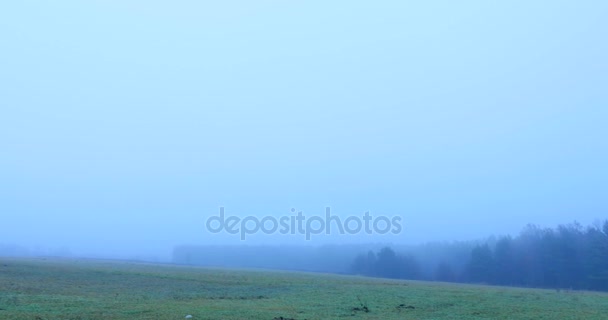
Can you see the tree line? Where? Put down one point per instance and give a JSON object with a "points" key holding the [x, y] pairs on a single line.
{"points": [[569, 256]]}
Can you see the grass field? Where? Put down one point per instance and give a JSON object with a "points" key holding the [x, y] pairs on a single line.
{"points": [[86, 289]]}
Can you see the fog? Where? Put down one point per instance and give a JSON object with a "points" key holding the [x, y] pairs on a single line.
{"points": [[126, 125]]}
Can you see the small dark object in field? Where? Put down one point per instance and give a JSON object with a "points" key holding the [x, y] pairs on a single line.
{"points": [[238, 298], [363, 307], [282, 318], [403, 306]]}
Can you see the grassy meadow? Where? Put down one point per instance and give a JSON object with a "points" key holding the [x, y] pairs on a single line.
{"points": [[95, 289]]}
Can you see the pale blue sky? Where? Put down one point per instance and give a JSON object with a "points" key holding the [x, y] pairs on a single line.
{"points": [[133, 121]]}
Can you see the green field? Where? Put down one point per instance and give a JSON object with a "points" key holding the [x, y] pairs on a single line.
{"points": [[87, 289]]}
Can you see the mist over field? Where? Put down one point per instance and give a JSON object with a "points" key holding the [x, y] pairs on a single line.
{"points": [[126, 125]]}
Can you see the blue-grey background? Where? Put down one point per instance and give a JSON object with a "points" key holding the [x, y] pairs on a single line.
{"points": [[124, 125]]}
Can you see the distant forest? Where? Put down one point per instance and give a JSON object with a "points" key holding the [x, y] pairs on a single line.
{"points": [[567, 257]]}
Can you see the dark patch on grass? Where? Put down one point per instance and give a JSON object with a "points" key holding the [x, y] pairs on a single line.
{"points": [[363, 307], [282, 318], [442, 306], [238, 298], [403, 306]]}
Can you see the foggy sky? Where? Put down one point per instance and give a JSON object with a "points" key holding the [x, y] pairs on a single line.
{"points": [[124, 125]]}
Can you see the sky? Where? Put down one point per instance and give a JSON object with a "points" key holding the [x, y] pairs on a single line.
{"points": [[125, 125]]}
